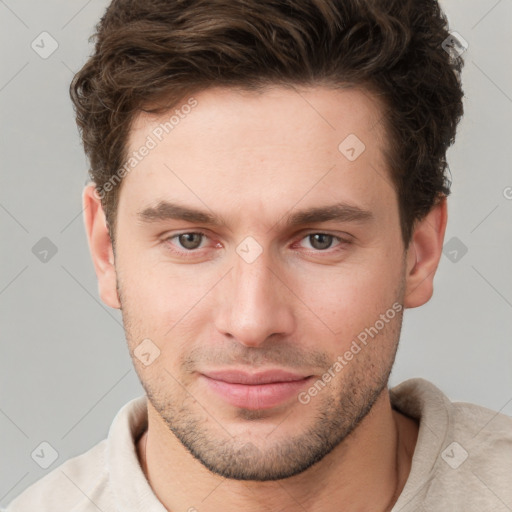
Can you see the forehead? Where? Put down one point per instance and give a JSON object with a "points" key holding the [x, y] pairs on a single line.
{"points": [[277, 146], [311, 111]]}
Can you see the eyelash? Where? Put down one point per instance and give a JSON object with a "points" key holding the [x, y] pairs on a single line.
{"points": [[193, 252]]}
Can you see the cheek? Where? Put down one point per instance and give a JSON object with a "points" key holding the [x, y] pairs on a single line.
{"points": [[162, 300], [345, 301]]}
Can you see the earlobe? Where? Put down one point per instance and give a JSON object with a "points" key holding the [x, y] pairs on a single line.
{"points": [[100, 246], [423, 255]]}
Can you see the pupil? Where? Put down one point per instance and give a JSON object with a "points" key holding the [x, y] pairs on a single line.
{"points": [[190, 240], [323, 239]]}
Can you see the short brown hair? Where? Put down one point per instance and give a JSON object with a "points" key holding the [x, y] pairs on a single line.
{"points": [[147, 50]]}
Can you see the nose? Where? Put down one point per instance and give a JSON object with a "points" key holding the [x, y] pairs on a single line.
{"points": [[255, 302]]}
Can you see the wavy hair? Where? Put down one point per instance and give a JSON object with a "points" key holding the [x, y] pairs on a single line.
{"points": [[155, 52]]}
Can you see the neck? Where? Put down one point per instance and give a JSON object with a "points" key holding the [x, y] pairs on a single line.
{"points": [[377, 456]]}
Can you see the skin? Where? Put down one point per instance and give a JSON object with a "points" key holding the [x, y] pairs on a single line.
{"points": [[254, 158]]}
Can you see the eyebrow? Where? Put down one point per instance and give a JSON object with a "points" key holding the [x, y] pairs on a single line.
{"points": [[340, 212]]}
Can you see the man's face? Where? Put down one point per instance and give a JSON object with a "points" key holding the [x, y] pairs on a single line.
{"points": [[254, 292]]}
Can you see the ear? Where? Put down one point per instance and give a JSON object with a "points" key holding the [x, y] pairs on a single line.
{"points": [[100, 246], [423, 255]]}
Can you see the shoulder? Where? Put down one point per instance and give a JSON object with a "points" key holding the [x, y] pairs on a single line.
{"points": [[79, 484], [95, 480], [475, 465], [463, 457], [486, 436], [486, 421]]}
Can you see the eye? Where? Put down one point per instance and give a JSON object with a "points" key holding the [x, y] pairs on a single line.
{"points": [[323, 241], [188, 241], [320, 241]]}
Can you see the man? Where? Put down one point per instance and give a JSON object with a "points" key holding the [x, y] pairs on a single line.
{"points": [[268, 196]]}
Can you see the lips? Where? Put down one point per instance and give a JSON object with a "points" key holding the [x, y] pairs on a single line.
{"points": [[266, 377], [261, 390]]}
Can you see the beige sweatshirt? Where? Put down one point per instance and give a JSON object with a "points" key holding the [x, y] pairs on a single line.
{"points": [[462, 462]]}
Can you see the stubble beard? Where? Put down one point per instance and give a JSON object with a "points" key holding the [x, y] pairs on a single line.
{"points": [[359, 387]]}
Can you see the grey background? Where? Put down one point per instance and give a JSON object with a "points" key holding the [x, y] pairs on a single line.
{"points": [[64, 367]]}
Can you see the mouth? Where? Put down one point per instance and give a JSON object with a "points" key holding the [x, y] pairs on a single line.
{"points": [[255, 391]]}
